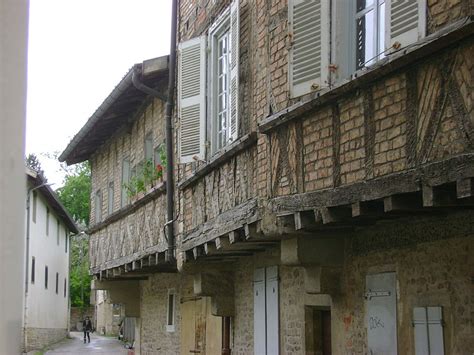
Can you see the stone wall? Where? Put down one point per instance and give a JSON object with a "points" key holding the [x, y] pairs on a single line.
{"points": [[155, 339], [77, 316], [433, 269], [39, 338]]}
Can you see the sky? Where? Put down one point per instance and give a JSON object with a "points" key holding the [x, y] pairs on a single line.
{"points": [[78, 52]]}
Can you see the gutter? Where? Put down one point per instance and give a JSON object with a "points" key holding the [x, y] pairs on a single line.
{"points": [[169, 225]]}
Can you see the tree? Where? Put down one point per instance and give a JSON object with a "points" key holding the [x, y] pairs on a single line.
{"points": [[33, 163], [74, 195]]}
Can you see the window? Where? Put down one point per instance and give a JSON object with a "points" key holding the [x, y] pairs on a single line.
{"points": [[171, 311], [346, 36], [57, 231], [33, 266], [66, 239], [98, 206], [266, 310], [428, 325], [57, 283], [46, 277], [220, 122], [110, 198], [125, 181], [148, 147], [35, 202], [65, 287], [47, 221], [369, 31]]}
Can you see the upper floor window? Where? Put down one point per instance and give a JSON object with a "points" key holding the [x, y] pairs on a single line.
{"points": [[125, 181], [33, 267], [170, 318], [46, 277], [98, 206], [47, 220], [35, 202], [346, 37], [65, 287], [57, 283], [110, 198], [217, 126]]}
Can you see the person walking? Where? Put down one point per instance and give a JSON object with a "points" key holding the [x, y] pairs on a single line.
{"points": [[87, 328]]}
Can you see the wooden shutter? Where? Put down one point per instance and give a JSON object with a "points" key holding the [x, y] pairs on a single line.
{"points": [[191, 99], [435, 330], [234, 69], [421, 331], [381, 313], [405, 21], [259, 331], [309, 53], [273, 343]]}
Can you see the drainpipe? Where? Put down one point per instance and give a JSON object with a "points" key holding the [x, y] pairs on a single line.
{"points": [[170, 254]]}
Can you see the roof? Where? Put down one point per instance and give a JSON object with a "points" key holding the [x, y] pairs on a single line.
{"points": [[39, 184], [117, 110]]}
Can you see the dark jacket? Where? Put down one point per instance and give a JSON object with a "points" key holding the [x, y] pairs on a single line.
{"points": [[87, 325]]}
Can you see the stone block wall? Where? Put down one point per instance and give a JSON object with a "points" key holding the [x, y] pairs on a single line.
{"points": [[77, 316], [39, 338]]}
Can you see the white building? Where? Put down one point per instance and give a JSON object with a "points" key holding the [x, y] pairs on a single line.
{"points": [[48, 227]]}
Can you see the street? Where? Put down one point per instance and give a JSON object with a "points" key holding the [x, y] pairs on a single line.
{"points": [[98, 345]]}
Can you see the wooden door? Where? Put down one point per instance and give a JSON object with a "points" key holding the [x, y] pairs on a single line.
{"points": [[201, 332]]}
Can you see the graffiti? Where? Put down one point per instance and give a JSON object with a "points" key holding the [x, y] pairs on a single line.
{"points": [[375, 322]]}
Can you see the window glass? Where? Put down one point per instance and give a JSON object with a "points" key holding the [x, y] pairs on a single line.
{"points": [[46, 277], [33, 266]]}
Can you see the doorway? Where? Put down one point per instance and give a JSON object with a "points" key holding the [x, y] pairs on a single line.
{"points": [[318, 330]]}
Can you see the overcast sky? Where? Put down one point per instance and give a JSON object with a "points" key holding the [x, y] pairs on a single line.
{"points": [[78, 52]]}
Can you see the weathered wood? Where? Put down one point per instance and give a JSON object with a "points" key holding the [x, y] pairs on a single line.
{"points": [[223, 224], [437, 173], [426, 48], [253, 230], [234, 237], [403, 202], [465, 188], [367, 209], [304, 220], [210, 248], [198, 252], [439, 196], [220, 158], [136, 265], [335, 214], [222, 242]]}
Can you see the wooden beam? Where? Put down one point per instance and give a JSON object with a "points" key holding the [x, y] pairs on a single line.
{"points": [[367, 208], [465, 188], [403, 202], [210, 248], [335, 214], [222, 242], [304, 220]]}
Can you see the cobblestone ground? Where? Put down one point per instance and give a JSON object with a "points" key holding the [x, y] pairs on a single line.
{"points": [[98, 345]]}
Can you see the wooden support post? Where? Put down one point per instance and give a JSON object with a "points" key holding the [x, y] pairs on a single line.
{"points": [[464, 188], [286, 220], [161, 257], [367, 209], [222, 242], [197, 252], [188, 256], [135, 265], [151, 260], [438, 196], [253, 230], [115, 272]]}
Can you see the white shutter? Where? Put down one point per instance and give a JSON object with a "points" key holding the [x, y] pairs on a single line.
{"points": [[273, 344], [405, 21], [259, 331], [421, 331], [435, 330], [234, 69], [309, 54], [381, 313], [191, 99]]}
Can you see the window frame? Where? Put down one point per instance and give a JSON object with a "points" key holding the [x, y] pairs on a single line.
{"points": [[221, 27], [171, 311], [46, 277], [57, 283], [33, 270]]}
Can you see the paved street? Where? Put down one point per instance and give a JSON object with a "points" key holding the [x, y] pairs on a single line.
{"points": [[98, 345]]}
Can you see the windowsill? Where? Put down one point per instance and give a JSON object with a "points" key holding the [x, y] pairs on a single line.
{"points": [[153, 192], [220, 158], [362, 78]]}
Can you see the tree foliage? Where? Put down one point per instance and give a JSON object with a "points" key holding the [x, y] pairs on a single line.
{"points": [[33, 163], [75, 193]]}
